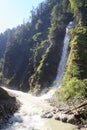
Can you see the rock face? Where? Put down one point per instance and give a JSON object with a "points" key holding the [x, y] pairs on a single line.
{"points": [[4, 95], [8, 105], [33, 50]]}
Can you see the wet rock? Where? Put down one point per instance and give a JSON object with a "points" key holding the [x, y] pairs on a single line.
{"points": [[56, 117], [71, 119], [64, 119], [43, 114], [54, 111], [46, 115], [49, 115], [7, 108], [85, 125], [60, 116]]}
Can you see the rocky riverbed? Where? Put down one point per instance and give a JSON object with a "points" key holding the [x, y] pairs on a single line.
{"points": [[38, 106], [62, 112]]}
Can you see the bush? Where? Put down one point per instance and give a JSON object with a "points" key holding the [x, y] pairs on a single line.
{"points": [[74, 88]]}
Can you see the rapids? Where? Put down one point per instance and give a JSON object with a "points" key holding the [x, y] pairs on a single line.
{"points": [[28, 116]]}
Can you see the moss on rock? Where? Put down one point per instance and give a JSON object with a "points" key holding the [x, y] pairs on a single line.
{"points": [[76, 71]]}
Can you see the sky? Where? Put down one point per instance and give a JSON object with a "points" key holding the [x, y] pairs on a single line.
{"points": [[14, 12]]}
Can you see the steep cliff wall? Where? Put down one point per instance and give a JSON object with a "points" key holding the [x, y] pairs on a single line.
{"points": [[75, 79], [33, 50]]}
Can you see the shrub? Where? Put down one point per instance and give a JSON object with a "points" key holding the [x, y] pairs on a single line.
{"points": [[74, 88]]}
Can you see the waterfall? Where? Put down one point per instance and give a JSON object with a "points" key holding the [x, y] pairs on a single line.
{"points": [[62, 64]]}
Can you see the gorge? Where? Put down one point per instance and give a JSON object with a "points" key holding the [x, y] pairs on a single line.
{"points": [[38, 56], [28, 116]]}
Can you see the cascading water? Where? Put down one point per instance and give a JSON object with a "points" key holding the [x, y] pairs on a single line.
{"points": [[62, 64], [28, 116]]}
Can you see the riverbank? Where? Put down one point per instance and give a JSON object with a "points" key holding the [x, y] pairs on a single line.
{"points": [[71, 111], [8, 106]]}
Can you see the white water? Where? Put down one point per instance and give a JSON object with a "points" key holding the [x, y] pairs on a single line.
{"points": [[28, 116], [62, 64]]}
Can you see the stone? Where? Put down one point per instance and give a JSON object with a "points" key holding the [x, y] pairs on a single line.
{"points": [[46, 115], [64, 119], [50, 115], [71, 119], [57, 116]]}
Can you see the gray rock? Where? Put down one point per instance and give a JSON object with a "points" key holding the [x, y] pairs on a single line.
{"points": [[60, 116], [57, 116], [64, 119], [50, 115], [71, 119], [46, 115]]}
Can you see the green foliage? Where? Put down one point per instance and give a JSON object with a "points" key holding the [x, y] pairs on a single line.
{"points": [[76, 3], [37, 37], [74, 88], [37, 76], [3, 39], [38, 24], [30, 58], [42, 61], [1, 74], [75, 78], [79, 8], [59, 19]]}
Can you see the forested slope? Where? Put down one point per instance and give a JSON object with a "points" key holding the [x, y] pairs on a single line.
{"points": [[75, 79], [33, 50]]}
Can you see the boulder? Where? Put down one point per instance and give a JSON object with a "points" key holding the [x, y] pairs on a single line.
{"points": [[64, 119], [71, 119], [56, 117], [3, 94], [46, 114], [8, 105]]}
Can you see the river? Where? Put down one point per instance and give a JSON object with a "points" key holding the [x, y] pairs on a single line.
{"points": [[28, 116]]}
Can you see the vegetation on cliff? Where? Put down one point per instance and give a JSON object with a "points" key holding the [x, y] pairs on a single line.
{"points": [[75, 79], [30, 53], [33, 50]]}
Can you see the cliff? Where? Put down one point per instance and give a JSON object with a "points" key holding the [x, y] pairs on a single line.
{"points": [[75, 79], [8, 105], [33, 50]]}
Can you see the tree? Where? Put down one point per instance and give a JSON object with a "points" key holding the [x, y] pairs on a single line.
{"points": [[76, 4]]}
